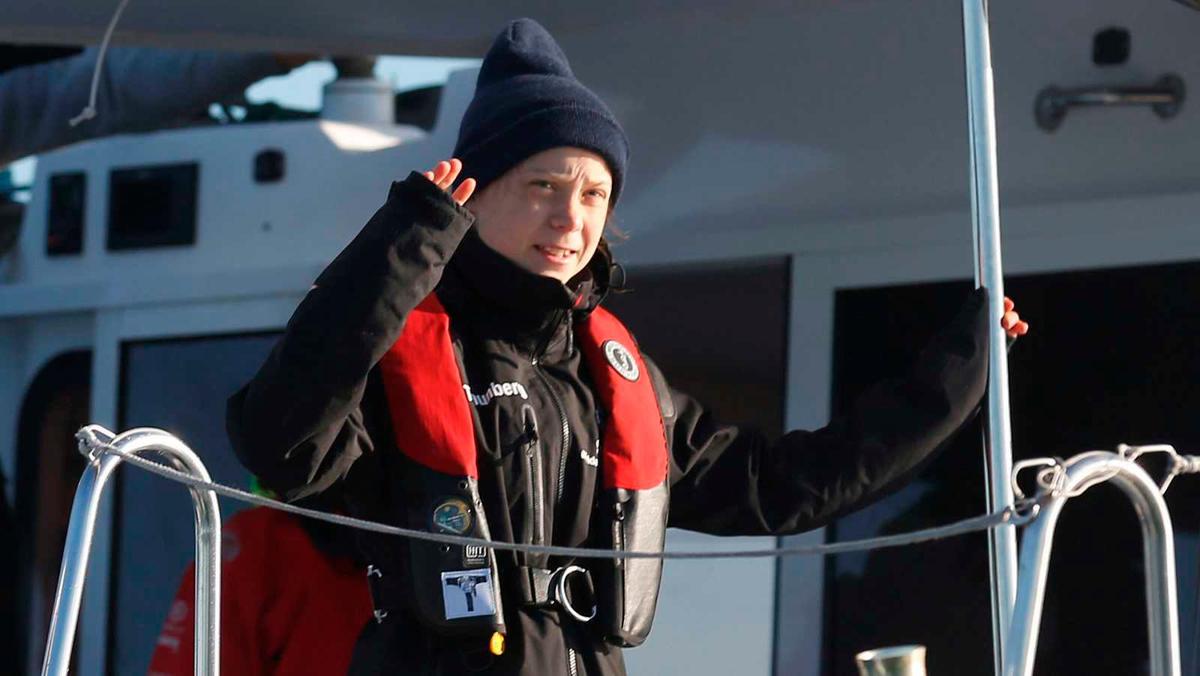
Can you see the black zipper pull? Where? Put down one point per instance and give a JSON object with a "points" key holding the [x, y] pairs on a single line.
{"points": [[529, 430], [534, 511], [620, 497], [529, 423]]}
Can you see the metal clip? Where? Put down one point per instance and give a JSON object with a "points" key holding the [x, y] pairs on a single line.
{"points": [[1178, 464], [372, 571], [1189, 464], [1050, 480], [92, 440], [1132, 453], [379, 616], [1022, 512]]}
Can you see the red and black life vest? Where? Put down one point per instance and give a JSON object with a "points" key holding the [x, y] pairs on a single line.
{"points": [[456, 588]]}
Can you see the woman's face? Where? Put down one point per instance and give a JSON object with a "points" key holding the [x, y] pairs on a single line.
{"points": [[547, 213]]}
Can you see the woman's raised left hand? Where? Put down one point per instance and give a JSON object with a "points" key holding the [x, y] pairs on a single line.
{"points": [[443, 175]]}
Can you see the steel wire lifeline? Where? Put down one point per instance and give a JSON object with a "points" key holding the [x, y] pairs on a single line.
{"points": [[1052, 478], [1020, 514]]}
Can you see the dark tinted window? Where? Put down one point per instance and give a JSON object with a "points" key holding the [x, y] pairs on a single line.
{"points": [[1112, 359], [64, 222], [718, 333], [152, 206]]}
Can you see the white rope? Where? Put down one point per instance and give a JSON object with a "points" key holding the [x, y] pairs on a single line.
{"points": [[1018, 515], [89, 111]]}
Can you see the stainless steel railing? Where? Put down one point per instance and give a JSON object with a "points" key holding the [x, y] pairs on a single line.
{"points": [[1059, 481], [100, 468], [1158, 548]]}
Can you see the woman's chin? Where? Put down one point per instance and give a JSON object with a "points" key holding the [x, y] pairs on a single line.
{"points": [[562, 273], [559, 275]]}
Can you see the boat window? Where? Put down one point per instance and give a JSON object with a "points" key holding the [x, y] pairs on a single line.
{"points": [[718, 332], [181, 386], [65, 219], [152, 206], [11, 215]]}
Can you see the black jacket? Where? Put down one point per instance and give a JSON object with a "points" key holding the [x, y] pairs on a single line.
{"points": [[314, 415]]}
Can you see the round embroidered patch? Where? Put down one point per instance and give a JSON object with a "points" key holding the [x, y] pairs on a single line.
{"points": [[452, 516], [621, 359]]}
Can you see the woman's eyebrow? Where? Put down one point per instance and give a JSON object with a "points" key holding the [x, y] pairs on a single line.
{"points": [[549, 172], [566, 175]]}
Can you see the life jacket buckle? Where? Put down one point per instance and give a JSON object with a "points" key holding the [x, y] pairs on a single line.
{"points": [[573, 584]]}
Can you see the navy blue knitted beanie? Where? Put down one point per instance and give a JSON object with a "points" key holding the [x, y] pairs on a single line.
{"points": [[527, 100]]}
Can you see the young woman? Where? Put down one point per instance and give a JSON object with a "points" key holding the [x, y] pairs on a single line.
{"points": [[455, 369]]}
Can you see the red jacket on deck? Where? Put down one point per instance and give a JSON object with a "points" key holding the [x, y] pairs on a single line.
{"points": [[287, 608]]}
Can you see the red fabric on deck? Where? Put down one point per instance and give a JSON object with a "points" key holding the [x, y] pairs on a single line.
{"points": [[286, 608]]}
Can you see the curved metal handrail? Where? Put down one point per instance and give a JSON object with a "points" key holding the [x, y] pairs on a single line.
{"points": [[140, 441], [1158, 548]]}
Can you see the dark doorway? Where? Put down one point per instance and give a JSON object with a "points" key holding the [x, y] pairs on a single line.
{"points": [[179, 385], [1112, 358], [719, 334], [49, 465]]}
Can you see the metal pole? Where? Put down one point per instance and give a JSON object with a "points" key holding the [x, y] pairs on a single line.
{"points": [[75, 560], [989, 273], [1158, 548], [67, 600]]}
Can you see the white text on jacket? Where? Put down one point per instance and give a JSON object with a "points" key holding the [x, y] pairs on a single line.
{"points": [[496, 390]]}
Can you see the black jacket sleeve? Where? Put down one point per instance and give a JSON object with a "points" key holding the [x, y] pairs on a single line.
{"points": [[734, 481], [298, 424]]}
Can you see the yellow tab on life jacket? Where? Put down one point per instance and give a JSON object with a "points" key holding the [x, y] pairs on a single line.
{"points": [[496, 645]]}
